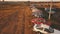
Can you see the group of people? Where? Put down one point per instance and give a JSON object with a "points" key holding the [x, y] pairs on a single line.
{"points": [[40, 24]]}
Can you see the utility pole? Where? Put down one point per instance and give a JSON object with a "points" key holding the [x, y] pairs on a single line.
{"points": [[50, 10]]}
